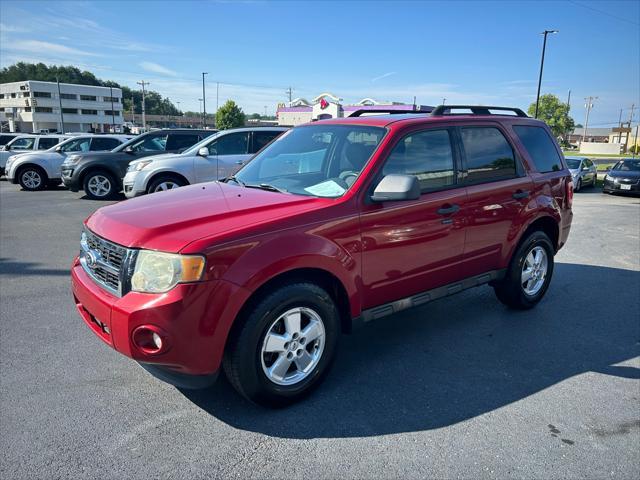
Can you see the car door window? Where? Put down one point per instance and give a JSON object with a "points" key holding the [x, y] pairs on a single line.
{"points": [[77, 145], [26, 143], [230, 144], [488, 154], [181, 141], [155, 143], [540, 148], [104, 144], [47, 143], [428, 155], [260, 139]]}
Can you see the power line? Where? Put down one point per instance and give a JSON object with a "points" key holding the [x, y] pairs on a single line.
{"points": [[603, 12]]}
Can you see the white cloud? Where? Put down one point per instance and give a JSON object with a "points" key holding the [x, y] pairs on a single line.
{"points": [[12, 29], [155, 68], [44, 48]]}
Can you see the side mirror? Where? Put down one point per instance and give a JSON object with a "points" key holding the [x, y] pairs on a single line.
{"points": [[203, 152], [585, 168], [58, 149], [6, 147], [129, 149], [397, 187]]}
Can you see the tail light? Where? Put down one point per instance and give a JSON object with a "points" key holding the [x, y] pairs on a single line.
{"points": [[569, 193]]}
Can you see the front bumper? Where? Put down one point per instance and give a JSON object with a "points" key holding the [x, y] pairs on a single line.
{"points": [[134, 184], [68, 179], [610, 186], [194, 318]]}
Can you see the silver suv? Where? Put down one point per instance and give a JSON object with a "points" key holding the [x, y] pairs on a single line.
{"points": [[218, 156]]}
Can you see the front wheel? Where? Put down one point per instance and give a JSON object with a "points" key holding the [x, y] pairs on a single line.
{"points": [[166, 182], [285, 345], [529, 273], [32, 178], [578, 185], [99, 185]]}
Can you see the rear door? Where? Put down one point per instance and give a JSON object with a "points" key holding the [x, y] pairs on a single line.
{"points": [[226, 155], [498, 191]]}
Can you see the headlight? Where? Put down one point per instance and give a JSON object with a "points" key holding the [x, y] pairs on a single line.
{"points": [[72, 160], [158, 272], [136, 167], [10, 160]]}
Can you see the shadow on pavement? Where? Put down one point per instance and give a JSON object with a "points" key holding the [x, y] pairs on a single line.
{"points": [[457, 358], [8, 267]]}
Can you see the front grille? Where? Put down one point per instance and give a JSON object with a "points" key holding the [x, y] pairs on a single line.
{"points": [[103, 261], [628, 181]]}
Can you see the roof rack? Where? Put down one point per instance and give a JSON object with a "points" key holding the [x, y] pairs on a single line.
{"points": [[392, 111], [475, 110]]}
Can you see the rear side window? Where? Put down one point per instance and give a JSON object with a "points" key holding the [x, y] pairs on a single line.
{"points": [[230, 144], [489, 156], [47, 143], [181, 141], [540, 147], [260, 139], [101, 144], [427, 155]]}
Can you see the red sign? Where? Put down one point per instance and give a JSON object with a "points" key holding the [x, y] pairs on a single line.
{"points": [[323, 104]]}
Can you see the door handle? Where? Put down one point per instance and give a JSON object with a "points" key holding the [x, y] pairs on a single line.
{"points": [[239, 162], [448, 209], [521, 194]]}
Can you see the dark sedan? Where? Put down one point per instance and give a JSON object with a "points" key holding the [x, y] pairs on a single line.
{"points": [[624, 177], [100, 174]]}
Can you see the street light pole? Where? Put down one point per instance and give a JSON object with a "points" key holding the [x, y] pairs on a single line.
{"points": [[204, 103], [144, 116], [544, 47], [113, 115], [60, 104]]}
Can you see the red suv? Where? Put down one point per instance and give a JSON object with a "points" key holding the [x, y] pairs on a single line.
{"points": [[333, 225]]}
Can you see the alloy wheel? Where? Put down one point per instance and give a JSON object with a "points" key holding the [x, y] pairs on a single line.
{"points": [[534, 270], [31, 179], [99, 185]]}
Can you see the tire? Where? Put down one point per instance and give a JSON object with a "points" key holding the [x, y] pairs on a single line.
{"points": [[32, 178], [99, 185], [594, 181], [165, 182], [250, 361], [511, 290], [578, 185]]}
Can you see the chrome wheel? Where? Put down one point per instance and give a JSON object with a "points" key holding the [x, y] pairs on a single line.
{"points": [[534, 271], [99, 186], [31, 179], [293, 346], [166, 185]]}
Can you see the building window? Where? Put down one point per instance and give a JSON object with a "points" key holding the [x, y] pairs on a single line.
{"points": [[13, 95], [89, 98], [70, 110], [1, 109], [25, 94], [44, 109], [27, 109], [110, 113], [69, 96], [112, 99], [89, 112], [42, 94], [1, 95]]}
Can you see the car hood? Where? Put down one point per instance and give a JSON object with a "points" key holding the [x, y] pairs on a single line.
{"points": [[169, 221], [623, 174]]}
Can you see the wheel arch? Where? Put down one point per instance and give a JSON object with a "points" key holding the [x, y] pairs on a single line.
{"points": [[547, 224], [165, 173], [97, 167], [26, 165]]}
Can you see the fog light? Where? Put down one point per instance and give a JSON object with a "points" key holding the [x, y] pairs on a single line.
{"points": [[150, 339]]}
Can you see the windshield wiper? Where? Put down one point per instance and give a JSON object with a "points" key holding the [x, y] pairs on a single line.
{"points": [[266, 186], [233, 178]]}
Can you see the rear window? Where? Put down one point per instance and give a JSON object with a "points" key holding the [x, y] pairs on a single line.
{"points": [[489, 156], [47, 143], [540, 147]]}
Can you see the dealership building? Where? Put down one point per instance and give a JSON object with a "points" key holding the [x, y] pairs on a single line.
{"points": [[327, 105], [33, 106]]}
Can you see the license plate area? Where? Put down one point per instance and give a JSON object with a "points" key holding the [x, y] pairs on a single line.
{"points": [[625, 187]]}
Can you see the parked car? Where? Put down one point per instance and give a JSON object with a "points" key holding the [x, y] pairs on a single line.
{"points": [[36, 170], [624, 177], [583, 172], [100, 174], [28, 143], [333, 225], [219, 156], [6, 138]]}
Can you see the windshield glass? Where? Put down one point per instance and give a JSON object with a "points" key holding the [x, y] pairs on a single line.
{"points": [[150, 141], [316, 160], [74, 145], [628, 166], [573, 163]]}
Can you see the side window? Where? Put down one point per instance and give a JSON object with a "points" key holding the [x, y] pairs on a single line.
{"points": [[155, 143], [588, 163], [260, 139], [102, 144], [489, 156], [47, 143], [540, 147], [23, 143], [231, 144], [181, 141], [77, 145], [427, 155]]}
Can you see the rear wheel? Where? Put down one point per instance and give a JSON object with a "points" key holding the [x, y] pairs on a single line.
{"points": [[285, 345], [32, 178], [99, 185], [167, 182], [529, 273]]}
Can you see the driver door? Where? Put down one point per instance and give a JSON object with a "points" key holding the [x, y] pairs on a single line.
{"points": [[226, 155]]}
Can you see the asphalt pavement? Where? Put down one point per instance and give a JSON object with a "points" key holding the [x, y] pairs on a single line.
{"points": [[460, 388]]}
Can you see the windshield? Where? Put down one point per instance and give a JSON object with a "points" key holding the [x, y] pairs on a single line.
{"points": [[628, 166], [316, 160], [73, 145], [147, 142], [573, 163]]}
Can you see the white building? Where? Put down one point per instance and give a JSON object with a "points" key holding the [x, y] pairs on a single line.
{"points": [[32, 106]]}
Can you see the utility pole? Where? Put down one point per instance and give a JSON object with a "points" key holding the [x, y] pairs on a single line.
{"points": [[204, 103], [217, 94], [444, 100], [144, 118], [290, 93], [265, 111], [60, 103], [588, 106], [113, 115], [626, 142], [544, 47], [179, 113], [620, 126]]}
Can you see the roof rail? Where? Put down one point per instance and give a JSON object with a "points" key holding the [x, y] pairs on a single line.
{"points": [[392, 111], [475, 110]]}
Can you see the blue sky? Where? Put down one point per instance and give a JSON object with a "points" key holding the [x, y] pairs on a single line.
{"points": [[467, 52]]}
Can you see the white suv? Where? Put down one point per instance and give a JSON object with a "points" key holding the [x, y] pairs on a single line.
{"points": [[28, 143], [35, 170], [218, 156]]}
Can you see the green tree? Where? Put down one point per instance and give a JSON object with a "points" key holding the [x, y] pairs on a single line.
{"points": [[229, 116], [555, 114]]}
